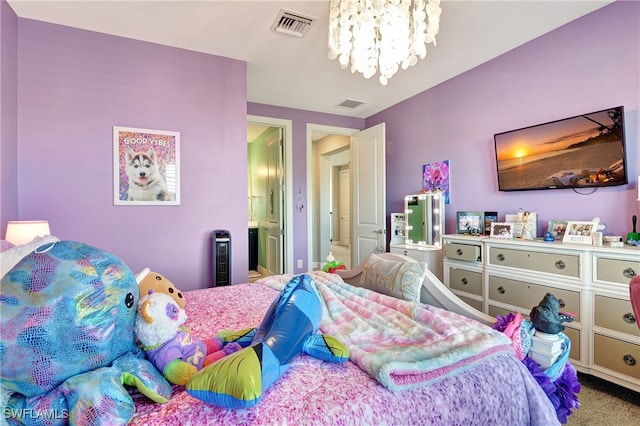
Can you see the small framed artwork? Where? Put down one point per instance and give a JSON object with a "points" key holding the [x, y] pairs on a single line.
{"points": [[146, 167], [435, 176], [579, 232], [518, 225], [489, 217], [557, 228], [503, 230], [470, 223]]}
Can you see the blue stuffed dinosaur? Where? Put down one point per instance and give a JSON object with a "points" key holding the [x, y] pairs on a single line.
{"points": [[67, 313], [289, 328]]}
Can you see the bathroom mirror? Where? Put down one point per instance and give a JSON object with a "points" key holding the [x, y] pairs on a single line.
{"points": [[425, 218]]}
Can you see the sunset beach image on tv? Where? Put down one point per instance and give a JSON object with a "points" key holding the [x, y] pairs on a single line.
{"points": [[584, 151]]}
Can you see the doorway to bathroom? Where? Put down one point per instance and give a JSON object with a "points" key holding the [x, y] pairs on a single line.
{"points": [[269, 234]]}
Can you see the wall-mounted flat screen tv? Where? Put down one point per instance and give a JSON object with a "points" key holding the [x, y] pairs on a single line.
{"points": [[584, 151]]}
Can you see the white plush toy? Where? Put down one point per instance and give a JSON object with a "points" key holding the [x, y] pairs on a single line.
{"points": [[170, 347]]}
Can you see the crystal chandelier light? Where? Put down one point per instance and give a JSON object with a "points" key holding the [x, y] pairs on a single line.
{"points": [[381, 35]]}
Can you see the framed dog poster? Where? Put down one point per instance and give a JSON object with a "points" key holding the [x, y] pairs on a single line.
{"points": [[146, 167]]}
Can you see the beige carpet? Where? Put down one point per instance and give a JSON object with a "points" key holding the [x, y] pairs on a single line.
{"points": [[603, 403]]}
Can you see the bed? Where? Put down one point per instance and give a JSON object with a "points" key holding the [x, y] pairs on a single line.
{"points": [[498, 390], [494, 388]]}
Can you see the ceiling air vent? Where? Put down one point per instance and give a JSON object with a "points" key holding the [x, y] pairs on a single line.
{"points": [[350, 103], [292, 23]]}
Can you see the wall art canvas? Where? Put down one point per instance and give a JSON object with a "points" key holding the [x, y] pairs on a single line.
{"points": [[436, 176], [146, 167]]}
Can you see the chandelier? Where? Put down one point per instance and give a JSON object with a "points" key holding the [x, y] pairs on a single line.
{"points": [[381, 35]]}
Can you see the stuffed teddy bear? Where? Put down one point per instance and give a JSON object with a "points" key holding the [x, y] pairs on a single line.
{"points": [[175, 352], [149, 281]]}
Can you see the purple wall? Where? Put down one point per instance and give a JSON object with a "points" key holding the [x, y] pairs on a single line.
{"points": [[73, 86], [8, 115], [299, 120], [587, 65]]}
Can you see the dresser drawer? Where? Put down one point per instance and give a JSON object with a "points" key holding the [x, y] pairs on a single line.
{"points": [[464, 280], [554, 263], [472, 302], [527, 295], [617, 355], [464, 252], [615, 314], [616, 270], [572, 333]]}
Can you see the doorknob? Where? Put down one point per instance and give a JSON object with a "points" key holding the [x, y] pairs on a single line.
{"points": [[379, 231]]}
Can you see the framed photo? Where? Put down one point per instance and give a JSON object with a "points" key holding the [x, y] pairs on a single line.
{"points": [[557, 228], [435, 176], [488, 218], [518, 225], [470, 223], [579, 232], [503, 230], [146, 167]]}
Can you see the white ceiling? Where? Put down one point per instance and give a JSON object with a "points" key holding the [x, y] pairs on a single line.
{"points": [[295, 72]]}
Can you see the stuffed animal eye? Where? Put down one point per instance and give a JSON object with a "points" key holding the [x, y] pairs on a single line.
{"points": [[129, 300], [170, 290]]}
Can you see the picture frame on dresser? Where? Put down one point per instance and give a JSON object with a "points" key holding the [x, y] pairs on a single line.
{"points": [[579, 232], [502, 230], [557, 228], [470, 223], [489, 217]]}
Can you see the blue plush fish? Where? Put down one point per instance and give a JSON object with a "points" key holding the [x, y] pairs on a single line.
{"points": [[289, 328]]}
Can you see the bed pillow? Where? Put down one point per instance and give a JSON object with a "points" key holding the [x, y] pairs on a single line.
{"points": [[401, 280], [15, 254], [5, 245]]}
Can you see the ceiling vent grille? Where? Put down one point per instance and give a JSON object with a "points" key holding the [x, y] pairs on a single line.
{"points": [[350, 103], [292, 23]]}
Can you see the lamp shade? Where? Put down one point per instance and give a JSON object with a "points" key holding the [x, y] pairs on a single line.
{"points": [[23, 231]]}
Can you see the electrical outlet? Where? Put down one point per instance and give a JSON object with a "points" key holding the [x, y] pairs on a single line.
{"points": [[299, 263]]}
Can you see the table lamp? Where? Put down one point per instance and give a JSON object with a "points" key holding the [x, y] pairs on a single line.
{"points": [[23, 231]]}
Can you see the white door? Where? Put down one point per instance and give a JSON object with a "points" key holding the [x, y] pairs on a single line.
{"points": [[274, 205], [368, 179], [344, 206]]}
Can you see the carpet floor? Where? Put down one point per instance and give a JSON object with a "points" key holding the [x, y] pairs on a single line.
{"points": [[603, 403]]}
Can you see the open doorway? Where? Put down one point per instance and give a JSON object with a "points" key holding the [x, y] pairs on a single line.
{"points": [[329, 197], [269, 203]]}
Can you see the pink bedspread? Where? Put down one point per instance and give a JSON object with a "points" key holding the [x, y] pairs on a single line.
{"points": [[500, 390]]}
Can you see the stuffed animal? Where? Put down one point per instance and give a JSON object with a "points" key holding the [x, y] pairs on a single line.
{"points": [[547, 317], [289, 328], [67, 314], [149, 281], [173, 349]]}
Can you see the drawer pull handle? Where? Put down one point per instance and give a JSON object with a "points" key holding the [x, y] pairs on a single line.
{"points": [[464, 281], [562, 304], [500, 257], [629, 318], [459, 252], [560, 264], [501, 290], [629, 273], [629, 360]]}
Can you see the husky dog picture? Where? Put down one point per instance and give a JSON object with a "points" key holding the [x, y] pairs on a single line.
{"points": [[145, 167], [145, 181]]}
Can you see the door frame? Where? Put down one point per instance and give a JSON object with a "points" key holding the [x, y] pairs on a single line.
{"points": [[287, 214], [329, 130]]}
